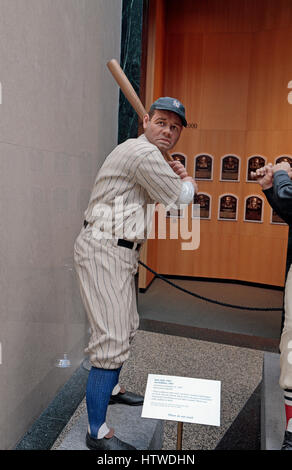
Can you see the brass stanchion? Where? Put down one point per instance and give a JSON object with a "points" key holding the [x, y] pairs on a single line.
{"points": [[179, 435]]}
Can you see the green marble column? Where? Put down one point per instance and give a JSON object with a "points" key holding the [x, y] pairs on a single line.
{"points": [[130, 61]]}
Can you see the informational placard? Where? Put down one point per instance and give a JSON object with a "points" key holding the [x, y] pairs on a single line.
{"points": [[183, 399]]}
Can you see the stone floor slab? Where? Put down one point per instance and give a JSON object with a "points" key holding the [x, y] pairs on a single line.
{"points": [[142, 433]]}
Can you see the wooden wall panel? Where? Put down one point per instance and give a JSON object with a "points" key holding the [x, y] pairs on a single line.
{"points": [[226, 78], [210, 16], [229, 63], [183, 71], [233, 16], [271, 71]]}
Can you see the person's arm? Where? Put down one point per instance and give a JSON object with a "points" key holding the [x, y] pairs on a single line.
{"points": [[189, 186], [282, 185], [269, 193], [163, 183], [155, 175], [264, 176]]}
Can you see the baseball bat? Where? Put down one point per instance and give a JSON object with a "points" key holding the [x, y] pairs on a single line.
{"points": [[129, 92]]}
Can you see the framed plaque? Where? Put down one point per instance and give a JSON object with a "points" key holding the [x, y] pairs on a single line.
{"points": [[253, 210], [284, 158], [253, 164], [230, 168], [204, 201], [180, 157], [276, 219], [174, 212], [203, 167], [227, 207]]}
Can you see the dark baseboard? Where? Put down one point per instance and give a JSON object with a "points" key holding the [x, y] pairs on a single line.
{"points": [[214, 336]]}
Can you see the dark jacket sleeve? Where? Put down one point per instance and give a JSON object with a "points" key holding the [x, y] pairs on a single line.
{"points": [[283, 192], [269, 193], [276, 203]]}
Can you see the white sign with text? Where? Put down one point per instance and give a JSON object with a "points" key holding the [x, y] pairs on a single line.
{"points": [[182, 399]]}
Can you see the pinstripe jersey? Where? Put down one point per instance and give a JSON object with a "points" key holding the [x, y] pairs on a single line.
{"points": [[133, 176], [137, 173]]}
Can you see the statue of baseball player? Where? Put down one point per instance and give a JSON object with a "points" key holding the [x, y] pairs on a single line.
{"points": [[134, 177], [277, 186]]}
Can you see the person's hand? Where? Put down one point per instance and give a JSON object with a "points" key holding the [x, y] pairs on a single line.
{"points": [[282, 166], [178, 168], [264, 176]]}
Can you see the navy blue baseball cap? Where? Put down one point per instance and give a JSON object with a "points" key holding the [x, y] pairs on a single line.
{"points": [[170, 104]]}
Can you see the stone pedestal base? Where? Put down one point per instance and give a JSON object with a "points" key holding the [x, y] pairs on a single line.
{"points": [[142, 433]]}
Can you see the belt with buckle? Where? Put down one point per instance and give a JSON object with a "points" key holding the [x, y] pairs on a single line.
{"points": [[128, 244], [121, 241]]}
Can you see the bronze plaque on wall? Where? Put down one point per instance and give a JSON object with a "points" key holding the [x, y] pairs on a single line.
{"points": [[284, 158], [230, 168], [180, 158], [276, 219], [175, 212], [253, 164], [228, 207], [253, 209], [203, 167], [204, 201]]}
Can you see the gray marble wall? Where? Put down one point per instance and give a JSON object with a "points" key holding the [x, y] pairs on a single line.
{"points": [[59, 119]]}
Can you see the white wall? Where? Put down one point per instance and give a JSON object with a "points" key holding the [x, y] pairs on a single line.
{"points": [[58, 121]]}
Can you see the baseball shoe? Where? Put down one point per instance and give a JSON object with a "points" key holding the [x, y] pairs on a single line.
{"points": [[127, 398], [112, 443]]}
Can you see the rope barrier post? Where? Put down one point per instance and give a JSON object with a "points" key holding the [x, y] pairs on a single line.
{"points": [[179, 435]]}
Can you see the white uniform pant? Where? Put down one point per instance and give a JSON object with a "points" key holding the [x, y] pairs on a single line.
{"points": [[285, 380], [106, 275]]}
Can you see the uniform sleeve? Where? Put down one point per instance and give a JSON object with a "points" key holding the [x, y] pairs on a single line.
{"points": [[158, 179], [283, 192]]}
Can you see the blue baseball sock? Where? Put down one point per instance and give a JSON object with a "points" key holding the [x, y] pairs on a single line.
{"points": [[100, 384]]}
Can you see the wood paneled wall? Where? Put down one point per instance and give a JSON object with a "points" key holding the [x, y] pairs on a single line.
{"points": [[230, 63]]}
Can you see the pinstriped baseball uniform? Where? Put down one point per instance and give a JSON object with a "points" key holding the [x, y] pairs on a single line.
{"points": [[133, 176]]}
